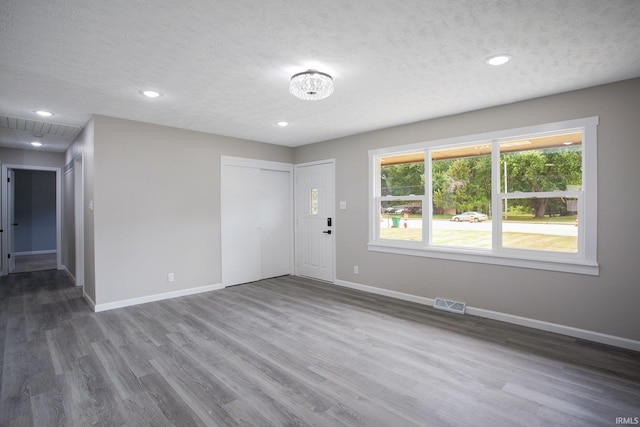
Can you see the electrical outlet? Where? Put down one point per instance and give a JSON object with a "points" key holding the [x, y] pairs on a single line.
{"points": [[355, 269], [171, 277]]}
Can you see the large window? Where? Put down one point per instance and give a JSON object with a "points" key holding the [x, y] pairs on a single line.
{"points": [[524, 197]]}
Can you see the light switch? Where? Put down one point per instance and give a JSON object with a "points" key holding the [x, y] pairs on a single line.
{"points": [[343, 204]]}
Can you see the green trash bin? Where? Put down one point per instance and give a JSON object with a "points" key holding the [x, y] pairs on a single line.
{"points": [[396, 221]]}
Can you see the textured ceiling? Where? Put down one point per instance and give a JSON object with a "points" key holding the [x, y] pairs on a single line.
{"points": [[223, 67]]}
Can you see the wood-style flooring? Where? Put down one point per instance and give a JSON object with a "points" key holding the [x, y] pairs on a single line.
{"points": [[292, 351], [38, 262]]}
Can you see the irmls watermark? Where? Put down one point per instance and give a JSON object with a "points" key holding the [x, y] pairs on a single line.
{"points": [[628, 420]]}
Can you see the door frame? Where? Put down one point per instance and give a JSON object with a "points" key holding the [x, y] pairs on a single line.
{"points": [[333, 213], [78, 208], [5, 217]]}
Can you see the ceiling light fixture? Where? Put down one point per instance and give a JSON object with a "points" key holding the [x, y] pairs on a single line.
{"points": [[501, 59], [151, 93], [311, 85], [282, 124], [44, 113], [36, 144]]}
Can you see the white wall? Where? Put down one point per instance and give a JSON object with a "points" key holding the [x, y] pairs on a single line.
{"points": [[606, 304]]}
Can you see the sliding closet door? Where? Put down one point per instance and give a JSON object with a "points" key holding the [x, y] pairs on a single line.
{"points": [[276, 223], [241, 247], [256, 221]]}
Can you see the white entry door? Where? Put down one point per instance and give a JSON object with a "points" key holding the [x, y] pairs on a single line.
{"points": [[315, 222]]}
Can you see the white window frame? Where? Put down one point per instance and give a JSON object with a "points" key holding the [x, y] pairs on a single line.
{"points": [[584, 261]]}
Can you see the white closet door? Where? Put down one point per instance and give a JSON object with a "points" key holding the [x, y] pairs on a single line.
{"points": [[241, 241], [257, 222], [276, 216]]}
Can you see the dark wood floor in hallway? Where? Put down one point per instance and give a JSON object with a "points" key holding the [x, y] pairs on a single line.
{"points": [[292, 351]]}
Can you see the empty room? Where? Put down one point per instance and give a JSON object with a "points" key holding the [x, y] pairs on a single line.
{"points": [[372, 213]]}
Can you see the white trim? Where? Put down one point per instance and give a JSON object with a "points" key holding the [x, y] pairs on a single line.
{"points": [[507, 318], [78, 215], [588, 123], [66, 271], [91, 302], [50, 251], [557, 328], [386, 292], [256, 163], [584, 261], [588, 224], [568, 265], [151, 298]]}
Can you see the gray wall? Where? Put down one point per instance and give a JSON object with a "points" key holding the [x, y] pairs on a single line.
{"points": [[12, 156], [607, 304], [83, 147], [156, 192], [157, 210], [35, 211]]}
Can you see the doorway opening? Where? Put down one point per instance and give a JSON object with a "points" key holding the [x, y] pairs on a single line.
{"points": [[31, 219]]}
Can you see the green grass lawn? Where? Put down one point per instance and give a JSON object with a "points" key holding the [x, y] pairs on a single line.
{"points": [[482, 239], [512, 217], [546, 219]]}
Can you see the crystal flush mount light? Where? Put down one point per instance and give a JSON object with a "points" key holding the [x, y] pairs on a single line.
{"points": [[311, 85]]}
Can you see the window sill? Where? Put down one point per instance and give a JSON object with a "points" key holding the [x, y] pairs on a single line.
{"points": [[484, 257]]}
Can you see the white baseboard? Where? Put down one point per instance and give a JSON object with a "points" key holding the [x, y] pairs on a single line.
{"points": [[91, 303], [508, 318], [68, 273], [52, 251], [152, 298]]}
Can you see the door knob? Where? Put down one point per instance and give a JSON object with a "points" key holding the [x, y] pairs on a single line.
{"points": [[327, 232]]}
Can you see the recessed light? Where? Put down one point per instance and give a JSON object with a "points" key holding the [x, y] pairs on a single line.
{"points": [[44, 113], [501, 59], [151, 93], [567, 143], [36, 144], [282, 124]]}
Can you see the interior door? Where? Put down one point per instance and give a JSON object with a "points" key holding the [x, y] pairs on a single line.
{"points": [[11, 183], [315, 222]]}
